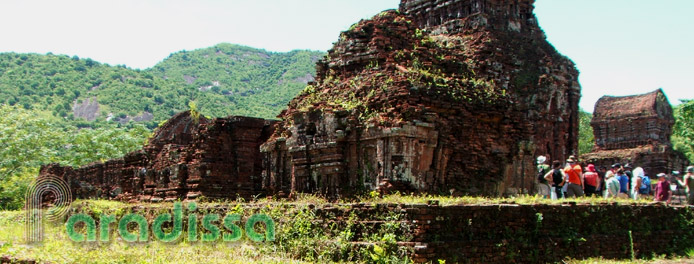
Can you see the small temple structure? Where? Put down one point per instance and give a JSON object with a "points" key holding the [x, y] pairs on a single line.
{"points": [[636, 130]]}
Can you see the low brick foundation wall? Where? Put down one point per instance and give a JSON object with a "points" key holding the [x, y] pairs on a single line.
{"points": [[548, 233], [508, 233], [500, 233]]}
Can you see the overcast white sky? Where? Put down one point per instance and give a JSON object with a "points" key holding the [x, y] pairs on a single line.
{"points": [[621, 47]]}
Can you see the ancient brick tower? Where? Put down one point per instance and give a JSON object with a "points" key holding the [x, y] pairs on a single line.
{"points": [[442, 96], [635, 129]]}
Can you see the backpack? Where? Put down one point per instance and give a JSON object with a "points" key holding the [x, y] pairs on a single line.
{"points": [[557, 178], [645, 187], [541, 175]]}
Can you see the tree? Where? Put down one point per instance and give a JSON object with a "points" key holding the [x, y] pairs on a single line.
{"points": [[27, 140], [586, 138], [683, 130], [101, 144], [30, 138]]}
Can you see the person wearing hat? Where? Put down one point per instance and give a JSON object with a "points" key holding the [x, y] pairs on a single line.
{"points": [[575, 175], [689, 183], [591, 180], [543, 187], [662, 189]]}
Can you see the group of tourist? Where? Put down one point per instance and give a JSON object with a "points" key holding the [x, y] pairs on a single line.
{"points": [[570, 180]]}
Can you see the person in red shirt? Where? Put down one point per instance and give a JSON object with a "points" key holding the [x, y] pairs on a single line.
{"points": [[575, 173], [662, 189], [591, 180]]}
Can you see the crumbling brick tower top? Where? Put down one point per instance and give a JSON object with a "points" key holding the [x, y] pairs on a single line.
{"points": [[632, 121], [431, 13]]}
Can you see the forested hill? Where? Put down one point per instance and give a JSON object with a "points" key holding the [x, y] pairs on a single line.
{"points": [[240, 80], [223, 80]]}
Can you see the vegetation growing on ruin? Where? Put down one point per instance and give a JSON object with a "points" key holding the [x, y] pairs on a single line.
{"points": [[417, 64]]}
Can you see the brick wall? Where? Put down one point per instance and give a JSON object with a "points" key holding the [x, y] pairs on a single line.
{"points": [[429, 13], [217, 158], [510, 233], [546, 233], [494, 233]]}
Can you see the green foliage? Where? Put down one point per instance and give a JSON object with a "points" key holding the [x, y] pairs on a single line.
{"points": [[586, 138], [55, 83], [683, 131], [57, 248], [89, 145], [631, 246], [194, 112], [230, 79], [27, 139], [398, 198], [30, 138], [225, 79]]}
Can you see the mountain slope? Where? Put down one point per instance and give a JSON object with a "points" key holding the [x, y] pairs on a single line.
{"points": [[225, 79], [252, 81]]}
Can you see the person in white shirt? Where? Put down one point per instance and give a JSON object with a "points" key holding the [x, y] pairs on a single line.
{"points": [[636, 179]]}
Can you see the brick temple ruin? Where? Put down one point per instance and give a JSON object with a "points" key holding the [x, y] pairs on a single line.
{"points": [[186, 158], [440, 96], [636, 130]]}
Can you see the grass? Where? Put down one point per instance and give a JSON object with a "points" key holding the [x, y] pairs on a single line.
{"points": [[299, 237], [524, 199], [398, 198], [373, 198], [57, 248]]}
